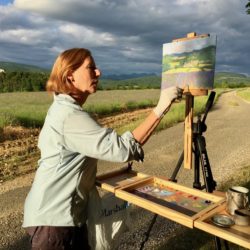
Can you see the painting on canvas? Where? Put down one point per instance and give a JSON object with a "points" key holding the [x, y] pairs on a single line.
{"points": [[189, 64]]}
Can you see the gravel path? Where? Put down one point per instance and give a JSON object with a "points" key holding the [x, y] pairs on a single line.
{"points": [[228, 147]]}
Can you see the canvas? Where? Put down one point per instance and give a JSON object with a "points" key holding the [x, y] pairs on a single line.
{"points": [[189, 64]]}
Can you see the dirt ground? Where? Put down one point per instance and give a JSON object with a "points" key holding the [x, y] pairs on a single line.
{"points": [[18, 145], [228, 146]]}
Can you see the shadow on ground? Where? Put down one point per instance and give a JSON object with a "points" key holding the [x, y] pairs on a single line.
{"points": [[21, 244]]}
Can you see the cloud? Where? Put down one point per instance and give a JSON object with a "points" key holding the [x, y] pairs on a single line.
{"points": [[124, 36]]}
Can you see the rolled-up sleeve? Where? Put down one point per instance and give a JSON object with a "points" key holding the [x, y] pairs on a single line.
{"points": [[84, 135]]}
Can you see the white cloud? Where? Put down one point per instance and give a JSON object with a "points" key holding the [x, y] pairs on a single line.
{"points": [[23, 36], [44, 5], [83, 35], [122, 34]]}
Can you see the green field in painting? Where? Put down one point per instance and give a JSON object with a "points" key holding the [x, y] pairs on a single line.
{"points": [[197, 60]]}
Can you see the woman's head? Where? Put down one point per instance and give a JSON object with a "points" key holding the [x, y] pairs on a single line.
{"points": [[73, 71]]}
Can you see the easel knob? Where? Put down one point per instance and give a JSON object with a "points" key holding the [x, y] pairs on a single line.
{"points": [[192, 34]]}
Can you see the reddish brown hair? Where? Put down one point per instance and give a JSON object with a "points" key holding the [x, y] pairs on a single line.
{"points": [[66, 63]]}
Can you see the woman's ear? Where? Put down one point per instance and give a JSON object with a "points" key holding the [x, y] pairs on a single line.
{"points": [[70, 77]]}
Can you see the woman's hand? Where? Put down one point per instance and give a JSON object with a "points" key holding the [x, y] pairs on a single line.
{"points": [[167, 96], [146, 128]]}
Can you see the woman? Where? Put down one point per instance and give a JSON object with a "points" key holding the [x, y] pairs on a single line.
{"points": [[70, 143]]}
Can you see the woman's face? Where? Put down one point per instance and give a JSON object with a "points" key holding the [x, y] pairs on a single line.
{"points": [[85, 78]]}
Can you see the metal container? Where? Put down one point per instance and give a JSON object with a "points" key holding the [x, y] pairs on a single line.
{"points": [[242, 217], [237, 198]]}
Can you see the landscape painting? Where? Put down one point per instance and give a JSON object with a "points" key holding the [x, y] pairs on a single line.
{"points": [[189, 63]]}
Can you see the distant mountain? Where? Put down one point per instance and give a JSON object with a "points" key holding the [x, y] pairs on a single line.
{"points": [[18, 67], [126, 76], [133, 80], [219, 76], [229, 74], [222, 79], [228, 77]]}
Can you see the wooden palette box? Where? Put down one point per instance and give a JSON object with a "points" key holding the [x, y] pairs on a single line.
{"points": [[239, 235], [187, 206], [119, 178], [178, 203]]}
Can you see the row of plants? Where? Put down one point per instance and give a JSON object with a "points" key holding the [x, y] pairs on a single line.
{"points": [[31, 113], [176, 113], [33, 117], [35, 81]]}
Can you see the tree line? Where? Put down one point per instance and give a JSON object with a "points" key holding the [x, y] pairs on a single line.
{"points": [[22, 81], [36, 81]]}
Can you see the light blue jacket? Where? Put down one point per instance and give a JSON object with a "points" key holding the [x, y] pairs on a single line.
{"points": [[70, 143]]}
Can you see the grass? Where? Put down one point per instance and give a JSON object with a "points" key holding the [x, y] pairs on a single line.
{"points": [[29, 108], [244, 94], [25, 108], [240, 178], [112, 108], [175, 115]]}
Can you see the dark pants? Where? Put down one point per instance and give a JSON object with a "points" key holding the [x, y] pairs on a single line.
{"points": [[56, 238]]}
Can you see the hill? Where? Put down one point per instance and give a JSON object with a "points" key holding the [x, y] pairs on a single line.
{"points": [[231, 80], [22, 77], [135, 83], [18, 67], [222, 79], [127, 76], [231, 77]]}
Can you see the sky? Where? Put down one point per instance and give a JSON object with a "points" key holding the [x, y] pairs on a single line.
{"points": [[189, 45], [124, 36]]}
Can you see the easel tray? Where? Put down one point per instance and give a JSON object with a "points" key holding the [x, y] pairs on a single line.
{"points": [[119, 178], [239, 235], [170, 200]]}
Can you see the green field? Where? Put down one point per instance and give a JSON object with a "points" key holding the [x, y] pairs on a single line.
{"points": [[29, 109], [244, 94], [197, 60]]}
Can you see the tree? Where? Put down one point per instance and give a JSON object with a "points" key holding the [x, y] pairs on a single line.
{"points": [[248, 7]]}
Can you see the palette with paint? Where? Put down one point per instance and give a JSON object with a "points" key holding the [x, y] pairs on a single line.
{"points": [[184, 202], [170, 200]]}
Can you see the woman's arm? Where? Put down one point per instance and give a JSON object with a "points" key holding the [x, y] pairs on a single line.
{"points": [[146, 128]]}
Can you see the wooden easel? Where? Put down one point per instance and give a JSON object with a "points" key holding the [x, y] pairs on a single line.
{"points": [[190, 93]]}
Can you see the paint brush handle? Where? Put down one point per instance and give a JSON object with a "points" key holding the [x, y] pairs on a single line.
{"points": [[179, 94]]}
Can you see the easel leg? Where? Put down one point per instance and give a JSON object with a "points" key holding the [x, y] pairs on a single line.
{"points": [[196, 183], [149, 230], [210, 184], [188, 131], [226, 245], [177, 168], [217, 243]]}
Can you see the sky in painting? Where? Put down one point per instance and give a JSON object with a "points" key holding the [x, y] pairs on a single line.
{"points": [[125, 36], [188, 45]]}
